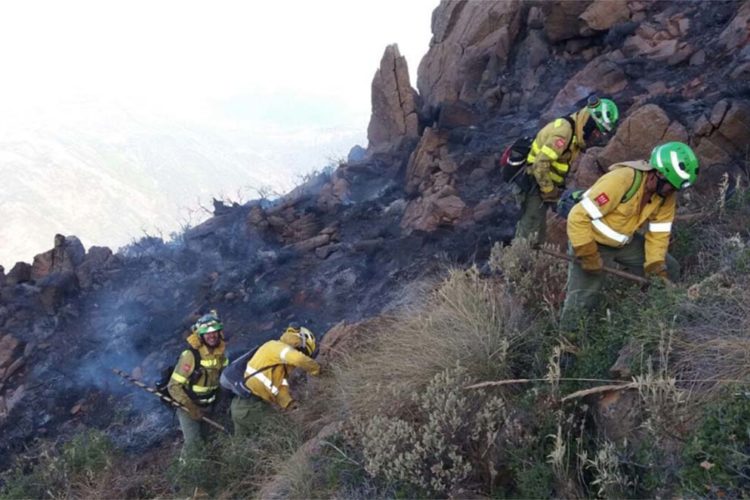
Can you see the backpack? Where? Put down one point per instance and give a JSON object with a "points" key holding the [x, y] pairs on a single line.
{"points": [[166, 374], [233, 378], [513, 159], [571, 196]]}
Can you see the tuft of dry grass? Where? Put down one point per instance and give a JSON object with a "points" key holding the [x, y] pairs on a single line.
{"points": [[468, 320]]}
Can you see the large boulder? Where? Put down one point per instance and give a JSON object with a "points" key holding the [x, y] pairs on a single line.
{"points": [[468, 38], [20, 273], [434, 210], [601, 15], [394, 102], [601, 76], [723, 134], [562, 18], [97, 260], [737, 34], [639, 133], [67, 254], [425, 161]]}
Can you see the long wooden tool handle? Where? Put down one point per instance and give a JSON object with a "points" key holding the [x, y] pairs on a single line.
{"points": [[169, 400], [616, 272]]}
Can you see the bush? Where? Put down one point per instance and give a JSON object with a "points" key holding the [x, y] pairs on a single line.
{"points": [[536, 278], [449, 441], [717, 456], [61, 472]]}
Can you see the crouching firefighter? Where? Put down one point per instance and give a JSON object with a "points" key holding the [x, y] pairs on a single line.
{"points": [[195, 380], [260, 378], [602, 227], [554, 148]]}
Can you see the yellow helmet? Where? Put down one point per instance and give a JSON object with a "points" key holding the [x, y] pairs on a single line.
{"points": [[299, 337]]}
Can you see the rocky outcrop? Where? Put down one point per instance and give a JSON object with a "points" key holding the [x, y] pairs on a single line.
{"points": [[20, 273], [394, 102], [67, 254], [563, 18], [601, 15], [723, 134], [639, 133], [468, 38], [601, 76]]}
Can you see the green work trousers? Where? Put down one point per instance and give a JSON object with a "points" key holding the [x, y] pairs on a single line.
{"points": [[193, 433], [533, 222], [248, 415], [584, 287]]}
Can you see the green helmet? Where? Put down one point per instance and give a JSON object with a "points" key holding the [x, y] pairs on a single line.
{"points": [[604, 112], [208, 323], [676, 162]]}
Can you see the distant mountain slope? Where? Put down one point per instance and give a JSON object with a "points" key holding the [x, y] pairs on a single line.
{"points": [[111, 176]]}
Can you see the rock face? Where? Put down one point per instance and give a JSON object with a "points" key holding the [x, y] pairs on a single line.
{"points": [[66, 255], [468, 37], [722, 135], [394, 102], [601, 76], [639, 133]]}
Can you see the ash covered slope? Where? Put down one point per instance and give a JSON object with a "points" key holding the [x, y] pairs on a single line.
{"points": [[349, 244]]}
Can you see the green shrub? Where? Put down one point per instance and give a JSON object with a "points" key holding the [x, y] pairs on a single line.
{"points": [[61, 472], [717, 456]]}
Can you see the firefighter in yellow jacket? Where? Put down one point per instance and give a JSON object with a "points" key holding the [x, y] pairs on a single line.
{"points": [[555, 147], [602, 226], [264, 378], [195, 379]]}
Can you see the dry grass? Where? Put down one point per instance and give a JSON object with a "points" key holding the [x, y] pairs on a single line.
{"points": [[536, 279], [468, 320]]}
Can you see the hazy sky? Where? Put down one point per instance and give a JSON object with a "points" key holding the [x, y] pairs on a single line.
{"points": [[115, 98], [164, 53]]}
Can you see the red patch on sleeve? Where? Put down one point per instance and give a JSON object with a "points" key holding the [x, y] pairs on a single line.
{"points": [[560, 143], [602, 199], [186, 367]]}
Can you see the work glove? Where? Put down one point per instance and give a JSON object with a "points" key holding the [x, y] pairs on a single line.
{"points": [[194, 412], [550, 196], [589, 257], [658, 270]]}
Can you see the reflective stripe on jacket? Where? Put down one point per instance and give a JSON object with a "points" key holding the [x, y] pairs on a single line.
{"points": [[552, 151], [601, 215], [276, 360], [198, 385]]}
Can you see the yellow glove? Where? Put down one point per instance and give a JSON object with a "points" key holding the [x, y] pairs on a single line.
{"points": [[589, 257], [658, 268], [550, 196]]}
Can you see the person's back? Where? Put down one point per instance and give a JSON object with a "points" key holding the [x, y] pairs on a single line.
{"points": [[265, 378], [553, 150]]}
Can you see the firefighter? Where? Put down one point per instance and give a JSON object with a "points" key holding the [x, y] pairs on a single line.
{"points": [[260, 379], [554, 148], [195, 380], [602, 226]]}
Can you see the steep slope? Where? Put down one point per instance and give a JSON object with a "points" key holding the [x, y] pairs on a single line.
{"points": [[349, 245]]}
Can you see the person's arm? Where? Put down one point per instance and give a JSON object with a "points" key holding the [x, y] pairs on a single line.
{"points": [[586, 216], [180, 379], [657, 237], [293, 357]]}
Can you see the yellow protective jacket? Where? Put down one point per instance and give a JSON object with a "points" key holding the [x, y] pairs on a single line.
{"points": [[190, 385], [276, 360], [554, 148], [602, 217]]}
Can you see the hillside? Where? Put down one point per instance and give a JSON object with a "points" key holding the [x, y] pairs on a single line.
{"points": [[397, 257]]}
